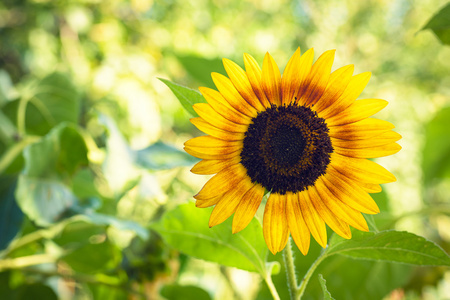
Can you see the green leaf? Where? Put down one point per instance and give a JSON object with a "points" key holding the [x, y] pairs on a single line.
{"points": [[326, 293], [43, 200], [48, 102], [186, 228], [184, 292], [60, 97], [201, 68], [96, 256], [76, 233], [83, 184], [61, 152], [34, 291], [436, 158], [100, 291], [349, 278], [11, 216], [86, 246], [41, 193], [440, 24], [162, 156], [186, 96], [393, 246]]}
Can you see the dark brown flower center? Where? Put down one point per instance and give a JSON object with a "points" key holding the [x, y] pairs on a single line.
{"points": [[286, 148]]}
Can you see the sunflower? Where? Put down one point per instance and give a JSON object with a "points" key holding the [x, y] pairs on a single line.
{"points": [[302, 137]]}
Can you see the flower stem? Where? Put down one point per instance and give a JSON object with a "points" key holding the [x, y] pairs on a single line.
{"points": [[301, 289], [271, 286], [288, 259]]}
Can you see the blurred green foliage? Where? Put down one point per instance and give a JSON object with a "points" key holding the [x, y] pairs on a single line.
{"points": [[90, 143]]}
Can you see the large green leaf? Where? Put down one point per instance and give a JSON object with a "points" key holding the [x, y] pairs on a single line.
{"points": [[11, 216], [393, 246], [96, 256], [184, 292], [59, 153], [41, 193], [75, 232], [86, 246], [43, 200], [355, 279], [440, 24], [436, 152], [186, 96], [162, 156], [60, 97], [32, 291], [100, 291], [48, 102], [186, 229]]}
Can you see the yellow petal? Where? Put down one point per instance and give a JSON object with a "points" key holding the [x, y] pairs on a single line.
{"points": [[247, 208], [213, 166], [275, 226], [370, 187], [229, 202], [318, 79], [362, 170], [216, 132], [222, 182], [305, 65], [221, 106], [290, 81], [207, 113], [338, 208], [315, 223], [208, 202], [232, 96], [353, 90], [363, 129], [271, 80], [370, 152], [206, 141], [214, 153], [254, 76], [240, 81], [359, 110], [297, 226], [336, 86], [350, 192], [385, 138], [336, 224]]}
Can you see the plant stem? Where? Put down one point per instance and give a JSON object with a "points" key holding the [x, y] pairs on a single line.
{"points": [[309, 273], [25, 261], [271, 286], [288, 259]]}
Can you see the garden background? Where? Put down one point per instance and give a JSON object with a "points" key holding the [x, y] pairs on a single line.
{"points": [[92, 171]]}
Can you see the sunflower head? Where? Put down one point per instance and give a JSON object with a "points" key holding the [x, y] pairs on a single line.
{"points": [[303, 137]]}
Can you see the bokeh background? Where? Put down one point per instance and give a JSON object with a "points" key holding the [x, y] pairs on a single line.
{"points": [[80, 78]]}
